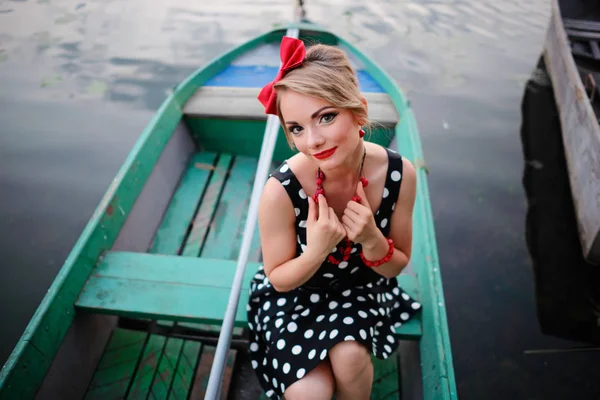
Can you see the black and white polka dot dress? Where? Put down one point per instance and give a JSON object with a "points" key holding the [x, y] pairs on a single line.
{"points": [[292, 332]]}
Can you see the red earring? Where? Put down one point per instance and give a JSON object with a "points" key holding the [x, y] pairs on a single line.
{"points": [[361, 133]]}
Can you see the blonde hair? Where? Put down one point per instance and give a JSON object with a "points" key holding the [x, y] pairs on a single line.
{"points": [[326, 73]]}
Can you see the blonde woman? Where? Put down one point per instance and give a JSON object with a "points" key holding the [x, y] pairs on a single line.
{"points": [[335, 223]]}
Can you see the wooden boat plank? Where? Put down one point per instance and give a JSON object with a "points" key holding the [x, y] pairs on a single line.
{"points": [[570, 23], [240, 103], [582, 34], [142, 380], [227, 227], [165, 373], [210, 200], [117, 365], [385, 378], [171, 234], [184, 375]]}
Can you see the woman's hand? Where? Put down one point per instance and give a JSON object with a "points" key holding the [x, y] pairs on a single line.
{"points": [[323, 228], [358, 220]]}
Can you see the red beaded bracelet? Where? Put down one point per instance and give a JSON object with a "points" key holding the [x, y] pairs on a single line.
{"points": [[383, 260]]}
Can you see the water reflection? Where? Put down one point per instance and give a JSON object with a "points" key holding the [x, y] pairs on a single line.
{"points": [[567, 288]]}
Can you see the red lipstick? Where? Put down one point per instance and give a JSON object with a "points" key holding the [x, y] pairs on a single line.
{"points": [[325, 154]]}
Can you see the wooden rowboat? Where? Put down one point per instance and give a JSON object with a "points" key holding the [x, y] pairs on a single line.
{"points": [[572, 56], [136, 309]]}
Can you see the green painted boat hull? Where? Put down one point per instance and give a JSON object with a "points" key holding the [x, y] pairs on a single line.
{"points": [[150, 208]]}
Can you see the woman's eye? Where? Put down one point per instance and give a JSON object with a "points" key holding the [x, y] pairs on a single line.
{"points": [[295, 129], [327, 118]]}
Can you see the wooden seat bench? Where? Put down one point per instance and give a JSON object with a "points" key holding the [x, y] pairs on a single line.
{"points": [[241, 103]]}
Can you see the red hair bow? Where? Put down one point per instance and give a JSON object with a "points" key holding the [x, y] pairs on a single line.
{"points": [[292, 53]]}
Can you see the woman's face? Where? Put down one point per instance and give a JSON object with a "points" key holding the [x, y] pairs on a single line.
{"points": [[322, 132]]}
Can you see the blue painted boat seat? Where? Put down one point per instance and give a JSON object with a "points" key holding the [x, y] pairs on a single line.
{"points": [[224, 102], [179, 288]]}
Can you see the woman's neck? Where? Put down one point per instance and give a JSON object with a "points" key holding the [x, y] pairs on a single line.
{"points": [[347, 173]]}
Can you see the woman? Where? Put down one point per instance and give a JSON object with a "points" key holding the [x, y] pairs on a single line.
{"points": [[335, 232]]}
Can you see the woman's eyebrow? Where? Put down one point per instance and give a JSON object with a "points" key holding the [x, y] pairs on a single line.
{"points": [[313, 116]]}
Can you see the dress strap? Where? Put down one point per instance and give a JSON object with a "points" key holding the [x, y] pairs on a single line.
{"points": [[393, 181], [292, 186]]}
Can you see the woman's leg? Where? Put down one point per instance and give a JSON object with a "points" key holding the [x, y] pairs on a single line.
{"points": [[352, 370], [317, 384]]}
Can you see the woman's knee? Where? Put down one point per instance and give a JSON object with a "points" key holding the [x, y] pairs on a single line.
{"points": [[317, 384], [349, 360]]}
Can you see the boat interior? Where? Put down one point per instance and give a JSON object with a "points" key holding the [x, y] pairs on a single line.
{"points": [[149, 315]]}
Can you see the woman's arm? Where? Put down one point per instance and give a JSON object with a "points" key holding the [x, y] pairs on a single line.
{"points": [[276, 221], [400, 228]]}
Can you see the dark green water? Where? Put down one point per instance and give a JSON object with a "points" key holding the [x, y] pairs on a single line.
{"points": [[80, 80]]}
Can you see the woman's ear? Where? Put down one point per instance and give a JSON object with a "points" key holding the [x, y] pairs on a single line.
{"points": [[362, 122]]}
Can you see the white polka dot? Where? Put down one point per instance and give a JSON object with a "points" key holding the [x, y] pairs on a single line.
{"points": [[268, 335], [265, 376], [250, 325], [354, 270], [305, 312], [396, 291], [333, 305], [270, 393], [302, 224], [387, 348], [312, 354], [286, 182], [384, 222], [280, 344], [333, 317], [374, 312], [314, 297], [405, 296], [333, 334], [281, 302], [415, 305], [254, 364], [300, 373], [302, 194], [390, 338], [363, 334], [323, 354], [320, 318], [254, 346], [265, 363], [360, 298], [346, 293], [354, 250], [292, 327], [295, 316], [349, 337], [405, 316], [381, 311], [343, 265], [282, 387], [328, 275], [386, 193], [278, 323], [363, 314], [372, 331], [396, 176], [348, 320], [283, 170], [297, 349], [280, 313], [275, 363], [274, 382], [322, 335], [369, 285], [334, 250], [347, 305], [286, 368], [298, 307], [303, 247], [297, 211], [309, 333]]}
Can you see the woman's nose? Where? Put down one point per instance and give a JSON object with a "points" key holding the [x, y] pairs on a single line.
{"points": [[314, 139]]}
